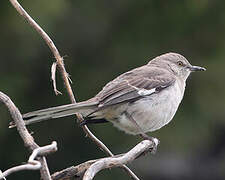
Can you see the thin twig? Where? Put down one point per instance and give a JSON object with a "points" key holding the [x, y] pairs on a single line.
{"points": [[60, 65], [32, 164], [53, 72], [23, 132]]}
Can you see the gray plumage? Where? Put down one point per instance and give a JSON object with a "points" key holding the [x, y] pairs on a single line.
{"points": [[150, 95]]}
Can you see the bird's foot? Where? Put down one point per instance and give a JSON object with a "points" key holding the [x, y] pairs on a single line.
{"points": [[154, 141]]}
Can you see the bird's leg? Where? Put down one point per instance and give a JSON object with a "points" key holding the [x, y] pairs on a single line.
{"points": [[155, 141]]}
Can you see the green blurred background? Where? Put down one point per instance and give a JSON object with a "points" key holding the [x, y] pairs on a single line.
{"points": [[100, 40]]}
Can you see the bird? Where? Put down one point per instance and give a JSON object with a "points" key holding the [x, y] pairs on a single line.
{"points": [[141, 100]]}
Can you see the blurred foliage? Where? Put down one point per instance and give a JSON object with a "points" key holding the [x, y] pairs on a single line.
{"points": [[100, 40]]}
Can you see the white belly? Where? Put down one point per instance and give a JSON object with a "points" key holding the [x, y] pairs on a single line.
{"points": [[152, 112]]}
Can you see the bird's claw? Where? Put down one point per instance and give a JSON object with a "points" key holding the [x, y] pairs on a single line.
{"points": [[155, 142]]}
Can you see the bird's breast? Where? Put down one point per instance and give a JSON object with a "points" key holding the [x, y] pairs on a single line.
{"points": [[151, 112]]}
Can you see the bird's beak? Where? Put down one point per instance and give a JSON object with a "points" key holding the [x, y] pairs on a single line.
{"points": [[196, 68]]}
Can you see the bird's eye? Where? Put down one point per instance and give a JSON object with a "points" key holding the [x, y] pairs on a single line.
{"points": [[180, 63]]}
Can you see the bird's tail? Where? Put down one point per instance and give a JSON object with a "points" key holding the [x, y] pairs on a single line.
{"points": [[84, 108]]}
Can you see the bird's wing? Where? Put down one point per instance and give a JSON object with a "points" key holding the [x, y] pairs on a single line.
{"points": [[134, 85]]}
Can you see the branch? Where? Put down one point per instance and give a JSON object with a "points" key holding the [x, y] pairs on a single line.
{"points": [[89, 169], [64, 74], [110, 162], [32, 164], [73, 172], [24, 134]]}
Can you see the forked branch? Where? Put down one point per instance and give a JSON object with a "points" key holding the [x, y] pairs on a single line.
{"points": [[89, 169]]}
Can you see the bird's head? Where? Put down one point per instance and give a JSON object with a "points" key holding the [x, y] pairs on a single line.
{"points": [[176, 63]]}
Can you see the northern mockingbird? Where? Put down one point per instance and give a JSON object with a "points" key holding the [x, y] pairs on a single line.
{"points": [[138, 101]]}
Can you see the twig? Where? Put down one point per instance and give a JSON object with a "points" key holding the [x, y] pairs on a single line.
{"points": [[53, 72], [60, 65], [23, 132], [32, 164]]}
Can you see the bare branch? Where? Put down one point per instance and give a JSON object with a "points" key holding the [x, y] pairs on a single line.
{"points": [[32, 164], [72, 172], [20, 125], [110, 162], [64, 74], [41, 151], [107, 151], [88, 169], [77, 172], [23, 132]]}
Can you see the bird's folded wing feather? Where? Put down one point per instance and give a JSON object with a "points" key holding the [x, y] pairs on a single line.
{"points": [[135, 84]]}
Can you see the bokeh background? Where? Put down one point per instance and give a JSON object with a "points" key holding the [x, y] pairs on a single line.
{"points": [[99, 40]]}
